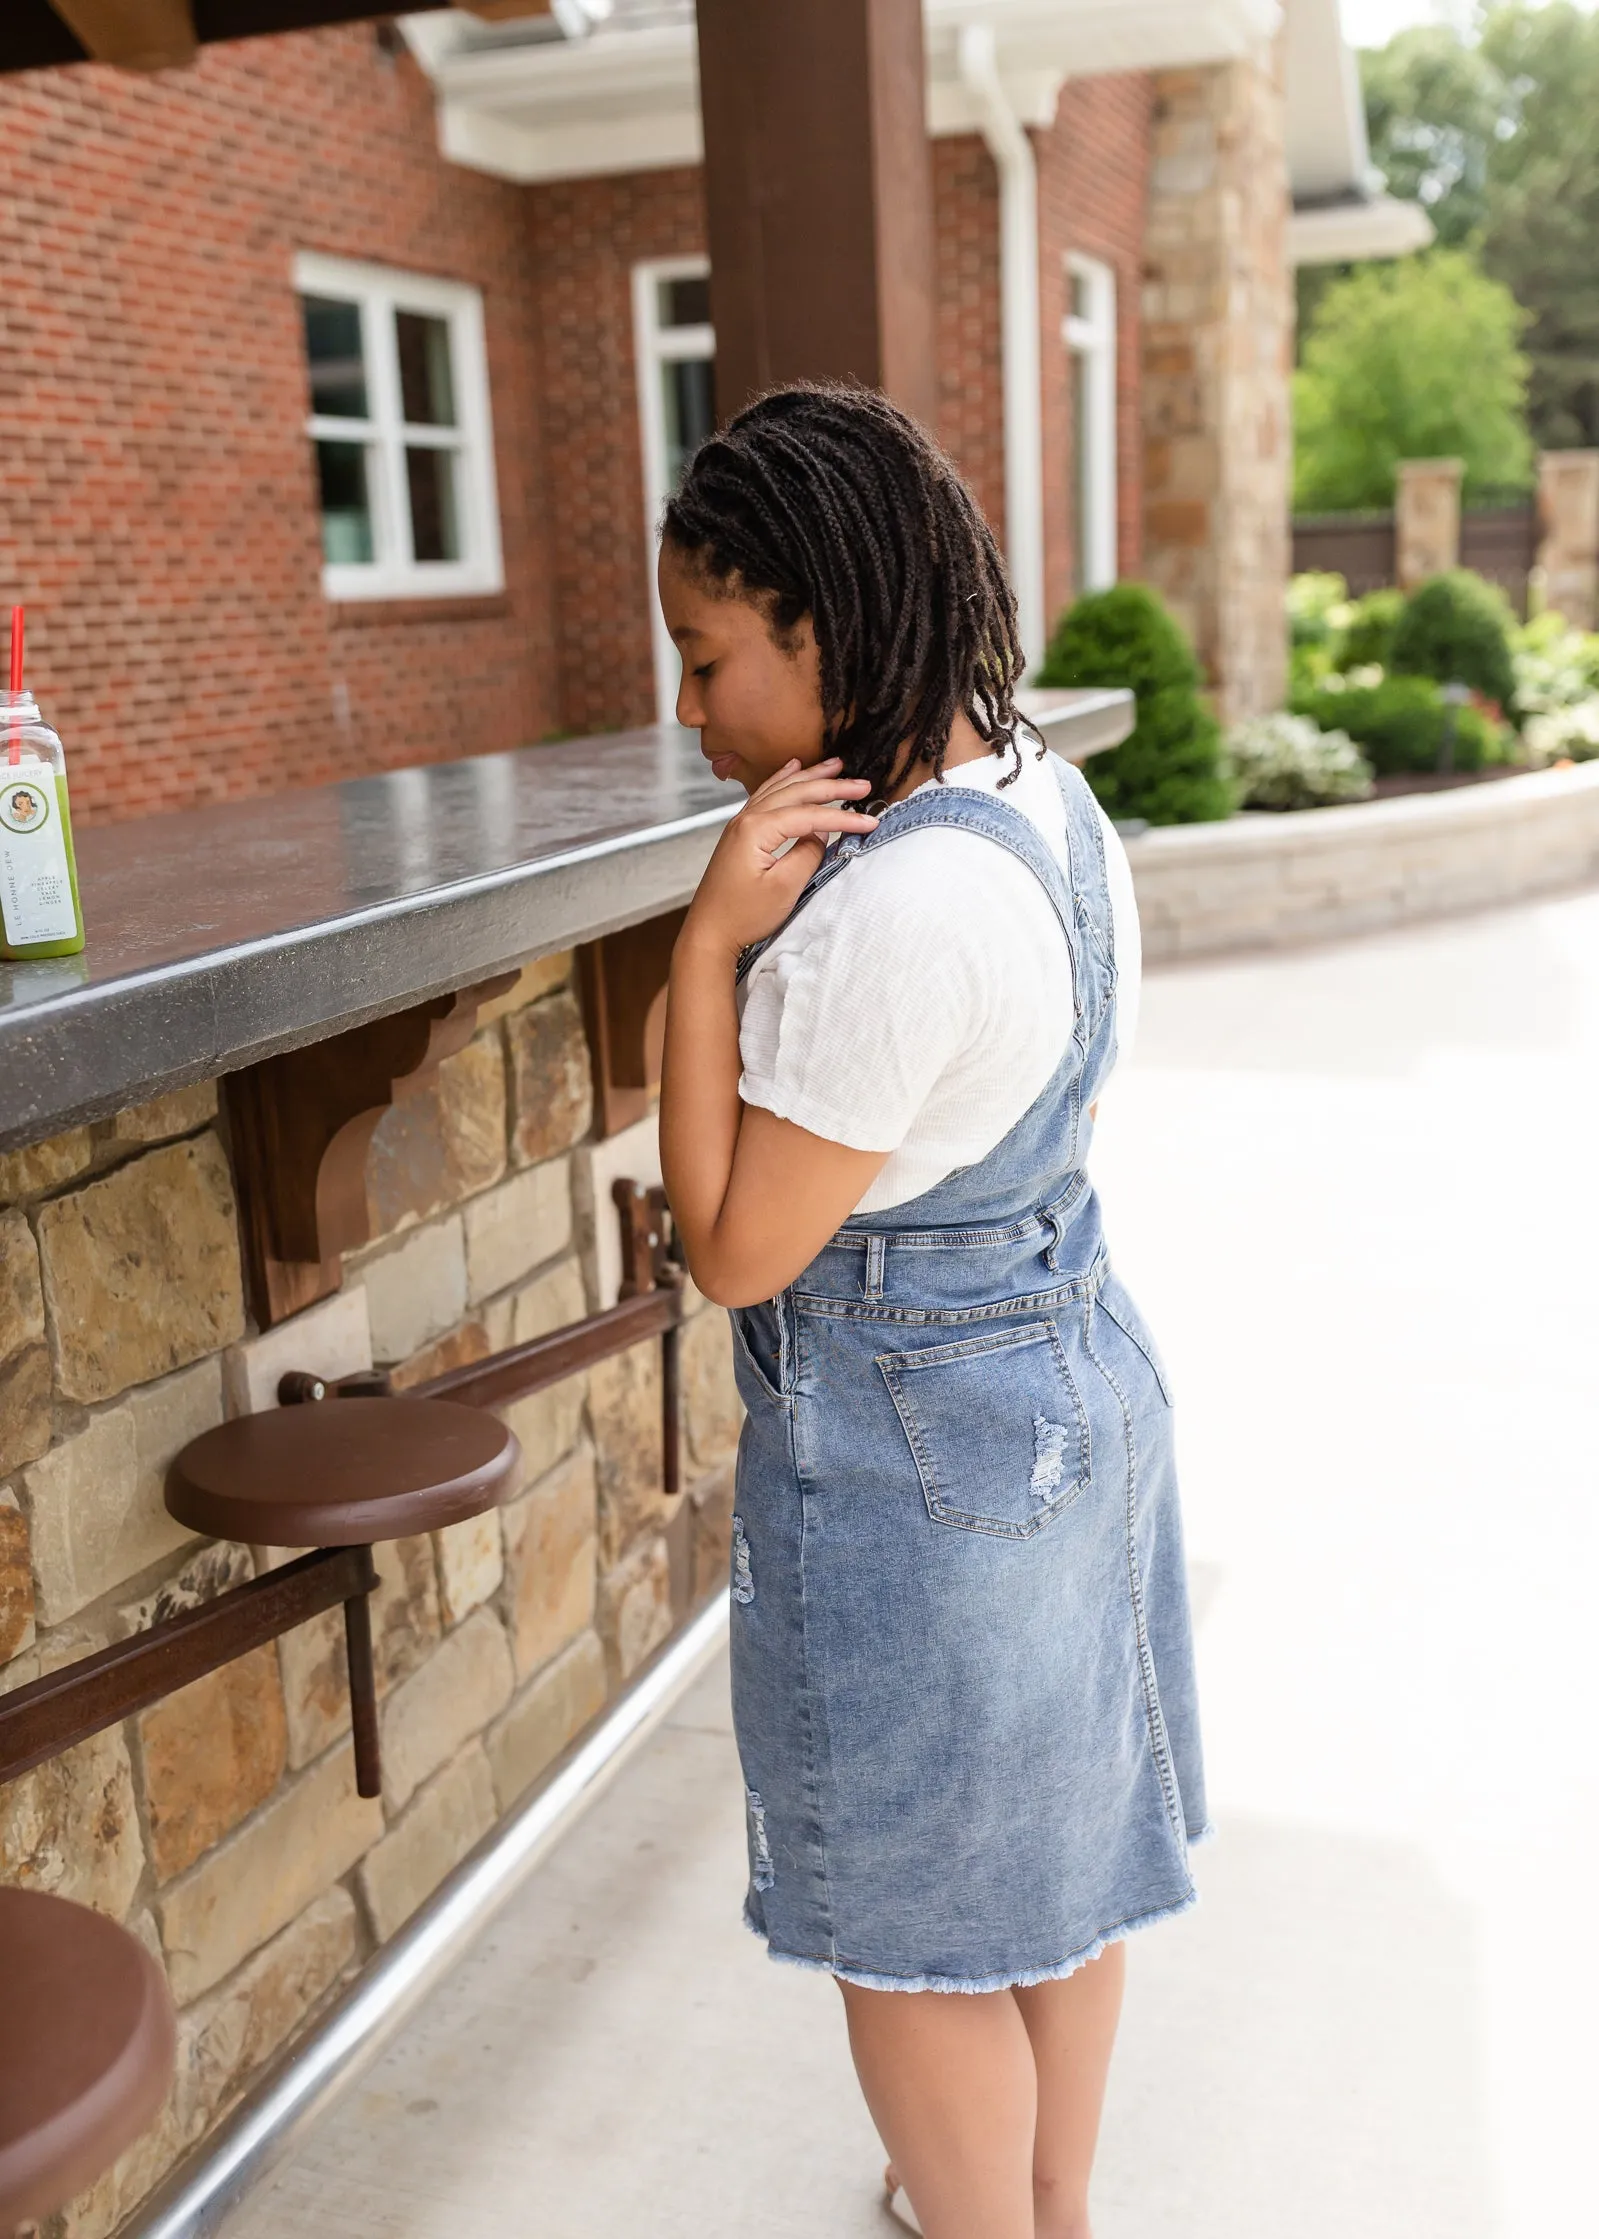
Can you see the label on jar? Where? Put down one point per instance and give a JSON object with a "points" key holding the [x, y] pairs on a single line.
{"points": [[35, 885]]}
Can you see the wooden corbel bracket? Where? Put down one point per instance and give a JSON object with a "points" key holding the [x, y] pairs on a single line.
{"points": [[133, 34], [623, 980], [301, 1125]]}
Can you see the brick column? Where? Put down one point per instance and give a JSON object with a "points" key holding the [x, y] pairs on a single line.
{"points": [[1218, 325], [1568, 546], [1426, 519]]}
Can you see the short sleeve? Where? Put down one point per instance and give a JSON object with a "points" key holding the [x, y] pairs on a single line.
{"points": [[849, 1023]]}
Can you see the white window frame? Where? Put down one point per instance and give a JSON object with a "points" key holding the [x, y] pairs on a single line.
{"points": [[653, 347], [1091, 343], [378, 293]]}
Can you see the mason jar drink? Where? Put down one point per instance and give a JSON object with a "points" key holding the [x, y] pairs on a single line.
{"points": [[40, 913]]}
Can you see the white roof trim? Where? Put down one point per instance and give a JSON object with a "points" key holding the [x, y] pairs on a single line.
{"points": [[1346, 231], [628, 100]]}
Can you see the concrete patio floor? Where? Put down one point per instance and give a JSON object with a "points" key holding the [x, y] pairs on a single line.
{"points": [[1355, 1191]]}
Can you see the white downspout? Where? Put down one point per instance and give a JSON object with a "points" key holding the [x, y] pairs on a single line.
{"points": [[1006, 138]]}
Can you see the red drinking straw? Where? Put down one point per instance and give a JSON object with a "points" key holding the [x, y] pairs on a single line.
{"points": [[16, 680]]}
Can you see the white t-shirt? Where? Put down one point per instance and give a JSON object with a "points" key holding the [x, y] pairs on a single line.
{"points": [[921, 1000]]}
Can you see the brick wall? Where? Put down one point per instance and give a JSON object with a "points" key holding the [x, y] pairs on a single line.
{"points": [[223, 1824], [160, 518], [587, 235], [971, 408], [162, 524], [1093, 172]]}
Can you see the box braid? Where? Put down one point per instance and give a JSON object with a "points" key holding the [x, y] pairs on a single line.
{"points": [[824, 499]]}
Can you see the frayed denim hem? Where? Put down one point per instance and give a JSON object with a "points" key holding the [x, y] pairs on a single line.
{"points": [[976, 1985]]}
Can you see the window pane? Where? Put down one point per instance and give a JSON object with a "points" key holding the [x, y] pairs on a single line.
{"points": [[1082, 296], [435, 528], [333, 351], [684, 303], [427, 393], [689, 395], [346, 506]]}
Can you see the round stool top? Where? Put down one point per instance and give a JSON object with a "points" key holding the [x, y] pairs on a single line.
{"points": [[343, 1472], [86, 2053]]}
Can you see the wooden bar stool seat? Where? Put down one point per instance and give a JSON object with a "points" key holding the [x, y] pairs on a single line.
{"points": [[87, 2047], [343, 1473]]}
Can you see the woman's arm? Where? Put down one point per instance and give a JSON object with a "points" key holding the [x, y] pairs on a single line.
{"points": [[754, 1197]]}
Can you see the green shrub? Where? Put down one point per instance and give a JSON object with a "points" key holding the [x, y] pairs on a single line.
{"points": [[1368, 636], [1556, 666], [1169, 770], [1307, 666], [1285, 762], [1313, 598], [1456, 629], [1399, 724]]}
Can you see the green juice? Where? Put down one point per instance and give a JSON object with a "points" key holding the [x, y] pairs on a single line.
{"points": [[41, 914]]}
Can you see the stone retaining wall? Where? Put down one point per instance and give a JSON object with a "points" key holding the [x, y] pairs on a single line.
{"points": [[1264, 881], [223, 1824]]}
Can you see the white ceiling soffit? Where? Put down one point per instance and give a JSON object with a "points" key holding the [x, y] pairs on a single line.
{"points": [[1343, 232], [1326, 117], [515, 101]]}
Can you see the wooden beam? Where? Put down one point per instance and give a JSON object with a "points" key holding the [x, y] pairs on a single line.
{"points": [[134, 34], [506, 11], [819, 195]]}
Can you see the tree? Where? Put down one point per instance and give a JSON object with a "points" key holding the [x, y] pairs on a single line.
{"points": [[1495, 135], [1417, 359], [1542, 215], [1434, 109]]}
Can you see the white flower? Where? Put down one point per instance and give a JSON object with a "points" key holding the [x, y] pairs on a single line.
{"points": [[1563, 734], [1285, 762]]}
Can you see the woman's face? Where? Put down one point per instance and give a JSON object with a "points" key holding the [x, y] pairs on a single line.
{"points": [[755, 705]]}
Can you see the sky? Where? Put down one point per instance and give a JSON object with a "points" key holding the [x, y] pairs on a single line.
{"points": [[1368, 23]]}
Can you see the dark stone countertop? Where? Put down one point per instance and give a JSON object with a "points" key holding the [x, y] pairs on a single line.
{"points": [[220, 935]]}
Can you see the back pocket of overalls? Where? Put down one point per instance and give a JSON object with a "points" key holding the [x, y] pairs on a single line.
{"points": [[996, 1427]]}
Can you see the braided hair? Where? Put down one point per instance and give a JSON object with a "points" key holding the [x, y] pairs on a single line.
{"points": [[824, 499]]}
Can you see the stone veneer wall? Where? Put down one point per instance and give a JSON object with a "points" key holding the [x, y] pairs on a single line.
{"points": [[1218, 330], [1263, 881], [223, 1824]]}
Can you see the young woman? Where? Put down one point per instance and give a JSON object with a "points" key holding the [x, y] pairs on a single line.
{"points": [[962, 1675]]}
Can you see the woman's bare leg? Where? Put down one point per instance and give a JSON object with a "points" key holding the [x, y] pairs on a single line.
{"points": [[1072, 2026], [951, 2085]]}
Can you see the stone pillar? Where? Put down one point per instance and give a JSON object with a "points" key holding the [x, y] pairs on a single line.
{"points": [[1426, 519], [1568, 544], [1217, 349]]}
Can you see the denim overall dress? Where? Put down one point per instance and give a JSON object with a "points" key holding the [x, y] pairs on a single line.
{"points": [[963, 1680]]}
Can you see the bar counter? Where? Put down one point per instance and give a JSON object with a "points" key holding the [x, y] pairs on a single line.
{"points": [[221, 936]]}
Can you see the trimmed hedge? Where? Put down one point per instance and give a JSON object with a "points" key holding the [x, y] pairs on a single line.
{"points": [[1368, 638], [1169, 770], [1399, 724], [1456, 629]]}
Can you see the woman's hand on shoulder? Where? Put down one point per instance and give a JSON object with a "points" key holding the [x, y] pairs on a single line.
{"points": [[754, 878]]}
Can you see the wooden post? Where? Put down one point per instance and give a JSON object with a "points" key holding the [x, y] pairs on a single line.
{"points": [[819, 196], [135, 34]]}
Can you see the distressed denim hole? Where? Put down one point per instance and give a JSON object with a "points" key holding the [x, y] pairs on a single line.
{"points": [[1054, 1446], [743, 1580], [762, 1871]]}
